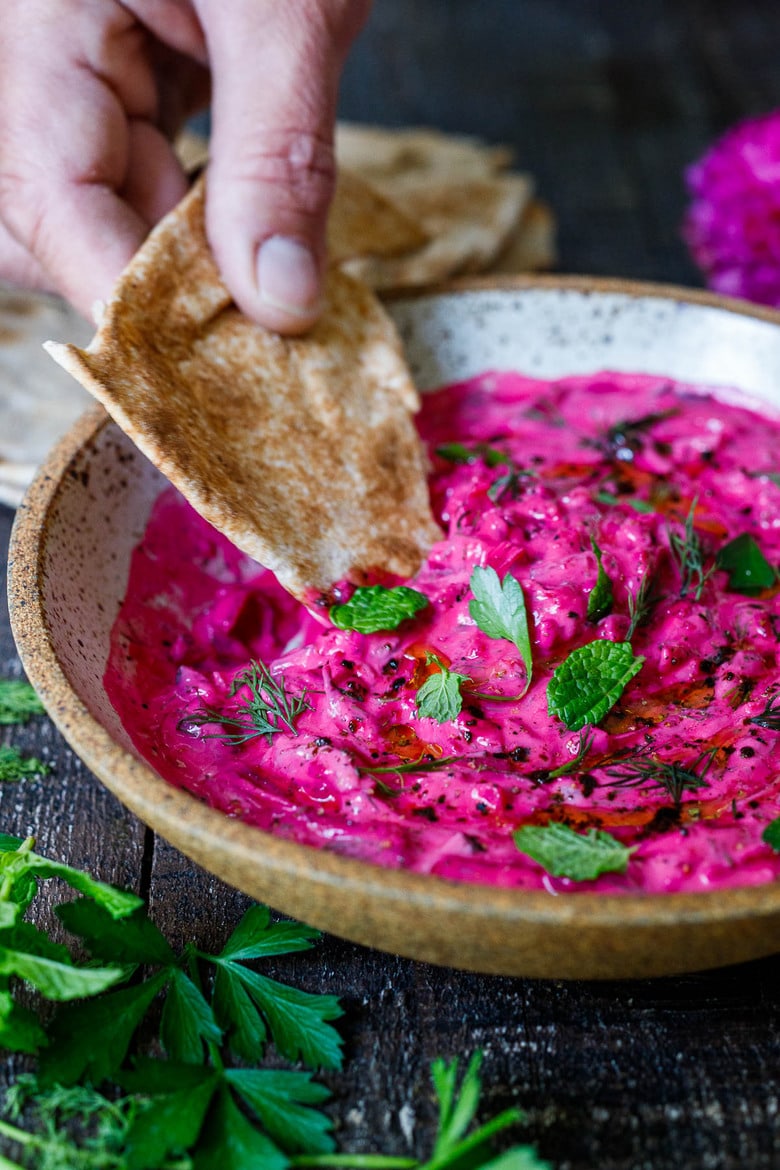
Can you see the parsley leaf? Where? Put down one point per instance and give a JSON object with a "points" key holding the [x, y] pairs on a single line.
{"points": [[173, 1120], [601, 595], [590, 681], [230, 1141], [498, 608], [18, 701], [579, 856], [771, 834], [439, 696], [376, 607], [641, 506], [748, 569], [282, 1099]]}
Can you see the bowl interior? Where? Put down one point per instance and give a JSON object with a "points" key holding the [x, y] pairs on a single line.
{"points": [[88, 509]]}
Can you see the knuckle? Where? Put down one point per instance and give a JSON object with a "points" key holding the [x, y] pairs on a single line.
{"points": [[299, 163]]}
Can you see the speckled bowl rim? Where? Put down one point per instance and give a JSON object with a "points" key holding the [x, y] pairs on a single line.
{"points": [[493, 930]]}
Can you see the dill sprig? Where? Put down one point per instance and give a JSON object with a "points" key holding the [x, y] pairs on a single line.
{"points": [[770, 716], [586, 743], [639, 605], [688, 553], [624, 439], [672, 776], [268, 710]]}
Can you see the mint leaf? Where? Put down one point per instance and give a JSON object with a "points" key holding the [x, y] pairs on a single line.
{"points": [[23, 863], [748, 569], [187, 1020], [771, 834], [256, 937], [601, 595], [91, 1039], [590, 681], [439, 696], [15, 766], [230, 1142], [498, 608], [564, 853], [18, 701], [133, 939], [377, 607], [282, 1101]]}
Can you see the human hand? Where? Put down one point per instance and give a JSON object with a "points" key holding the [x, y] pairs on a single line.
{"points": [[92, 92]]}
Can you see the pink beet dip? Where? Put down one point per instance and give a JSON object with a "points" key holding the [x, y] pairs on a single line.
{"points": [[684, 765]]}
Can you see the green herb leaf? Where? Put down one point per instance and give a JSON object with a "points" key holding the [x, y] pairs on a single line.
{"points": [[23, 863], [376, 607], [601, 595], [456, 1110], [229, 1141], [20, 1029], [18, 701], [133, 939], [590, 681], [498, 608], [55, 979], [14, 766], [91, 1039], [282, 1100], [296, 1019], [771, 834], [237, 1015], [688, 551], [564, 853], [460, 453], [748, 569], [266, 711], [170, 1124], [256, 937], [613, 501], [439, 696], [187, 1020]]}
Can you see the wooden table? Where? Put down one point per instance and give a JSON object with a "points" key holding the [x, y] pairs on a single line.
{"points": [[605, 102]]}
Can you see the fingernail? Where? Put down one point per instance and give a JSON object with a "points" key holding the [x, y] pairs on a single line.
{"points": [[287, 276]]}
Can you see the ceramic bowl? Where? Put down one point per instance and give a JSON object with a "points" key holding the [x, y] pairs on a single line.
{"points": [[69, 562]]}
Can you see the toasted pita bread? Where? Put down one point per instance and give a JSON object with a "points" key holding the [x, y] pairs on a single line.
{"points": [[364, 222], [399, 158], [469, 224], [303, 451], [531, 246]]}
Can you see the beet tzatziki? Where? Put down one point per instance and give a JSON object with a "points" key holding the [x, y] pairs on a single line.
{"points": [[580, 689]]}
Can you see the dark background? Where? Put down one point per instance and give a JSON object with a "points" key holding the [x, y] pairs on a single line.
{"points": [[605, 103]]}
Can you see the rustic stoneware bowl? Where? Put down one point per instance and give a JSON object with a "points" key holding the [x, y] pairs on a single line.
{"points": [[69, 563]]}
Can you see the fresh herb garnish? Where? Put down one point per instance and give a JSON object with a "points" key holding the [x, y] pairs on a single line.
{"points": [[770, 716], [197, 1107], [601, 595], [18, 701], [508, 484], [639, 605], [564, 853], [671, 775], [267, 711], [460, 453], [498, 608], [372, 608], [15, 766], [439, 696], [585, 744], [688, 553], [771, 834], [590, 681], [641, 506], [748, 569], [624, 439]]}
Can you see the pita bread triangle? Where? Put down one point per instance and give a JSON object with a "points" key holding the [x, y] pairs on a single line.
{"points": [[302, 451]]}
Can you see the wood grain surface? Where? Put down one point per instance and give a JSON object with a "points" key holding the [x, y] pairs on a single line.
{"points": [[605, 102]]}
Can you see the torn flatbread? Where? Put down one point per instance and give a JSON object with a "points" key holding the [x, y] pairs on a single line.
{"points": [[302, 450]]}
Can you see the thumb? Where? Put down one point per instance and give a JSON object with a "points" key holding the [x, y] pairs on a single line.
{"points": [[275, 70]]}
